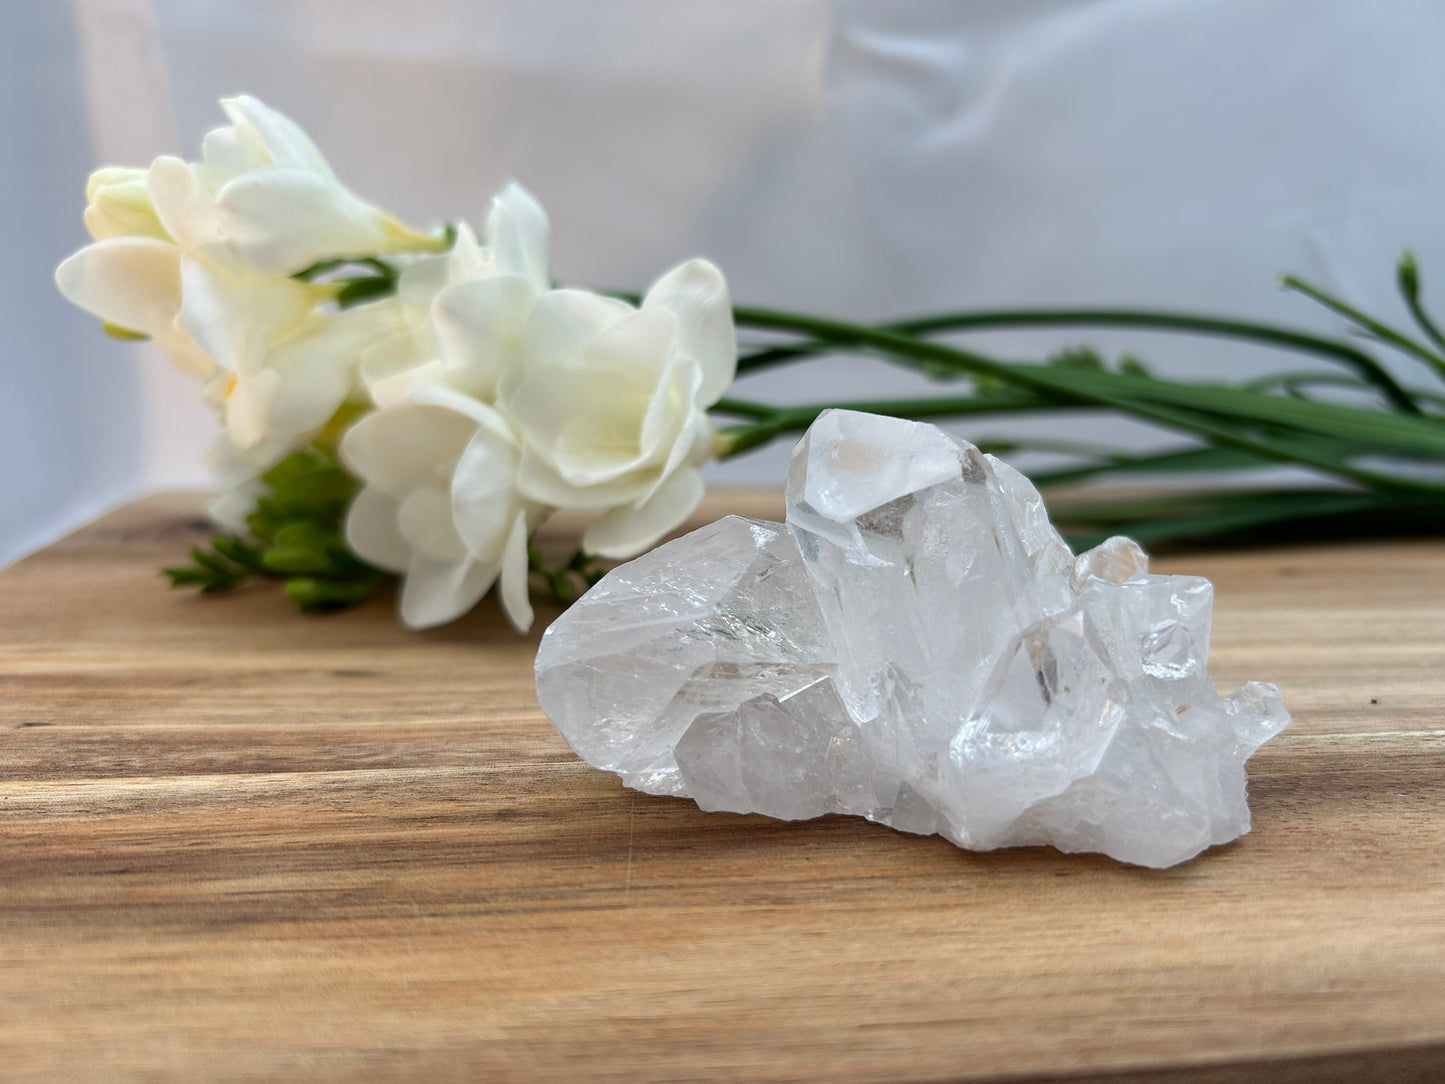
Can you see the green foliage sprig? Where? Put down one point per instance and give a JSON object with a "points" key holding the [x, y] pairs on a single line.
{"points": [[296, 538]]}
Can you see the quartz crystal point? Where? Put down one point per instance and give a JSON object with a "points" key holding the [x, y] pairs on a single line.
{"points": [[917, 646]]}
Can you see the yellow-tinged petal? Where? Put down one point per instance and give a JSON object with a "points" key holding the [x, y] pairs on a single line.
{"points": [[131, 282], [118, 204]]}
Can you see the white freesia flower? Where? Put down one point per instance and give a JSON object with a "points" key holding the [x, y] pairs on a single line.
{"points": [[440, 505], [481, 317], [500, 399], [611, 403], [197, 257], [467, 312], [264, 196], [276, 364]]}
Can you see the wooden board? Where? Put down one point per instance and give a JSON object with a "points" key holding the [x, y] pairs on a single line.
{"points": [[240, 843]]}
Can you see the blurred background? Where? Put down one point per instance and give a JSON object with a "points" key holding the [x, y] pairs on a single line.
{"points": [[874, 159]]}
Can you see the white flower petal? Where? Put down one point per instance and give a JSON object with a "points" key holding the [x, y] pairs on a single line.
{"points": [[538, 481], [352, 331], [692, 441], [418, 284], [467, 259], [248, 407], [425, 520], [397, 387], [184, 354], [480, 329], [587, 422], [221, 384], [315, 377], [234, 507], [372, 531], [439, 395], [516, 603], [214, 315], [267, 453], [671, 410], [484, 492], [625, 532], [132, 282], [608, 419], [635, 350], [281, 219], [182, 203], [583, 429], [240, 485], [110, 176], [387, 357], [282, 137], [517, 235], [228, 152], [406, 445], [436, 592], [697, 294], [373, 340], [119, 205], [233, 317], [564, 323]]}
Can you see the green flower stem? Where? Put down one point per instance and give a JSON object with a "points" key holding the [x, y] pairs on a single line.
{"points": [[1304, 378], [772, 422], [1200, 412], [1298, 381], [1153, 520], [775, 421], [746, 408], [1142, 319], [1382, 332], [1178, 461], [1417, 435]]}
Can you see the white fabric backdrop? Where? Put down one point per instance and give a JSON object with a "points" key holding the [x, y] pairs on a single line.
{"points": [[872, 159]]}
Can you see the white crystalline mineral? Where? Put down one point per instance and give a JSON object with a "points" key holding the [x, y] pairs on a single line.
{"points": [[917, 646]]}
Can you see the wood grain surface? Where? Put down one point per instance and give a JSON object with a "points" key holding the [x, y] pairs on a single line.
{"points": [[238, 843]]}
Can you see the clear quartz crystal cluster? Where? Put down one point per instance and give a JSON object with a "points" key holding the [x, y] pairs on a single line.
{"points": [[917, 646]]}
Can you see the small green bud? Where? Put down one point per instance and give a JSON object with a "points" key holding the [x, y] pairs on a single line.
{"points": [[318, 594], [115, 331], [1407, 273]]}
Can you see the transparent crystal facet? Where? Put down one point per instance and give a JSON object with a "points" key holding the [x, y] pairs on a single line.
{"points": [[917, 646]]}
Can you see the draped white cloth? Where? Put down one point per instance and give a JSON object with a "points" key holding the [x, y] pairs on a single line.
{"points": [[860, 158]]}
